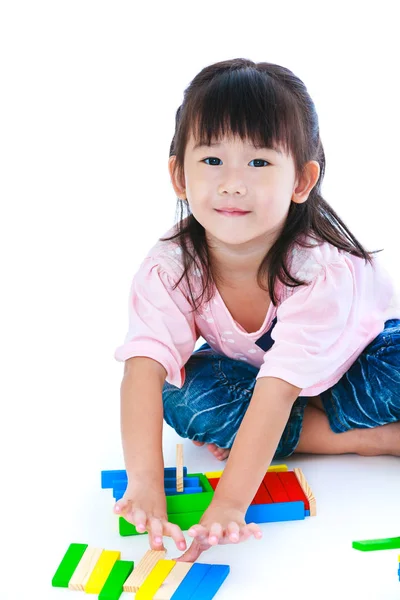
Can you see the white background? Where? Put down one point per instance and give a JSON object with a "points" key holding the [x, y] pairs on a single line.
{"points": [[88, 97]]}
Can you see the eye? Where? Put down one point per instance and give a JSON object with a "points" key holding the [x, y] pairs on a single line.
{"points": [[210, 158], [259, 160]]}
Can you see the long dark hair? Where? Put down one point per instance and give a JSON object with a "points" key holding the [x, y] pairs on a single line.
{"points": [[266, 104]]}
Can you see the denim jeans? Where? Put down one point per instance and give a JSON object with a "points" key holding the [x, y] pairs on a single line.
{"points": [[212, 402]]}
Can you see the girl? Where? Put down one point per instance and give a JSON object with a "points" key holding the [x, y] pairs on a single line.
{"points": [[301, 323]]}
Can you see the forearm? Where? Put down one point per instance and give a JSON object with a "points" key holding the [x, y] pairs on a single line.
{"points": [[256, 441], [142, 419]]}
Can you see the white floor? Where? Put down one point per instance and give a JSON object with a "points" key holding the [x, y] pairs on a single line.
{"points": [[357, 498]]}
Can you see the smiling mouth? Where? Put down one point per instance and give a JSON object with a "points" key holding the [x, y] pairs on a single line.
{"points": [[233, 213]]}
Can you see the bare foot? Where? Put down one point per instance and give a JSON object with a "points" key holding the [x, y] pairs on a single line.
{"points": [[219, 453]]}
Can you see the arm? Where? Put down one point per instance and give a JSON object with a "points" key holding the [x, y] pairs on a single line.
{"points": [[142, 418], [256, 442], [144, 503]]}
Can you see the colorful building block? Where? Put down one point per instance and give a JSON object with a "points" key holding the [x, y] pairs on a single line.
{"points": [[68, 565], [113, 587], [307, 490], [211, 583], [154, 579], [84, 570], [293, 488], [275, 488], [280, 511], [191, 582], [101, 571], [145, 566], [380, 544], [173, 581], [179, 467]]}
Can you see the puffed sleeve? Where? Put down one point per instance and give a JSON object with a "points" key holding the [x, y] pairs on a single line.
{"points": [[161, 324], [316, 329]]}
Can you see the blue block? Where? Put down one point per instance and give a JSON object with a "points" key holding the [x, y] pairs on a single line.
{"points": [[307, 513], [191, 581], [191, 490], [211, 583], [279, 511], [107, 477], [187, 482]]}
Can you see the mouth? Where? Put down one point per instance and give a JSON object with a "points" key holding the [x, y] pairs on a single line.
{"points": [[231, 212]]}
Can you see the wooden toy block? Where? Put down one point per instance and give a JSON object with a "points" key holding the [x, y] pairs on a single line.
{"points": [[191, 490], [191, 582], [293, 488], [154, 579], [275, 488], [191, 502], [173, 581], [213, 481], [213, 474], [211, 583], [184, 520], [380, 544], [281, 511], [179, 467], [145, 566], [83, 571], [277, 468], [307, 490], [170, 483], [68, 565], [113, 587], [262, 496], [101, 571]]}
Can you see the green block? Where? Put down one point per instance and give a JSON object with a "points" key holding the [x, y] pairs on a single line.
{"points": [[382, 544], [126, 528], [186, 520], [113, 587], [68, 565], [191, 502]]}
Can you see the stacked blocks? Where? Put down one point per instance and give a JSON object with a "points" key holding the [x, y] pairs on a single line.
{"points": [[103, 573], [282, 496]]}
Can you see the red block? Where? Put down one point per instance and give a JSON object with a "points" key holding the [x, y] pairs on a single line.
{"points": [[275, 488], [262, 496], [293, 487], [214, 482]]}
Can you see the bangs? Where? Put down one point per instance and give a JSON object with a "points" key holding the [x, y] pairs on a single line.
{"points": [[247, 104]]}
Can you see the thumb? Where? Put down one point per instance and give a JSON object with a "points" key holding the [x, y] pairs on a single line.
{"points": [[192, 553]]}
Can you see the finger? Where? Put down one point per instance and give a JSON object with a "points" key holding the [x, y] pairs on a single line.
{"points": [[122, 505], [193, 552], [233, 532], [215, 534], [255, 530], [198, 531], [156, 533], [175, 532], [138, 517]]}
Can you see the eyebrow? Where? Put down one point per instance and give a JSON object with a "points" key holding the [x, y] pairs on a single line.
{"points": [[215, 145]]}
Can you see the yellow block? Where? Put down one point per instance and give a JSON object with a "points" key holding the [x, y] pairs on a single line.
{"points": [[143, 569], [155, 579], [213, 474], [101, 571], [277, 468]]}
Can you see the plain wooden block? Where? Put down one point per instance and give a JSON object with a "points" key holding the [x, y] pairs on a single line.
{"points": [[85, 568], [173, 581], [139, 573], [179, 467]]}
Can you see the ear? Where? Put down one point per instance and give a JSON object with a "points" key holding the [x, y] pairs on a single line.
{"points": [[180, 190], [307, 181]]}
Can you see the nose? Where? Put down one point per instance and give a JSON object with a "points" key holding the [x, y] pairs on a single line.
{"points": [[232, 186]]}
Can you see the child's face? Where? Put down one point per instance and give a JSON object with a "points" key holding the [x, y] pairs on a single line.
{"points": [[260, 181]]}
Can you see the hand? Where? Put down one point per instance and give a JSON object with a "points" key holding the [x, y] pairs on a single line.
{"points": [[219, 525], [144, 505]]}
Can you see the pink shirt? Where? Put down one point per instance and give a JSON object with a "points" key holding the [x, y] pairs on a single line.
{"points": [[318, 333]]}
